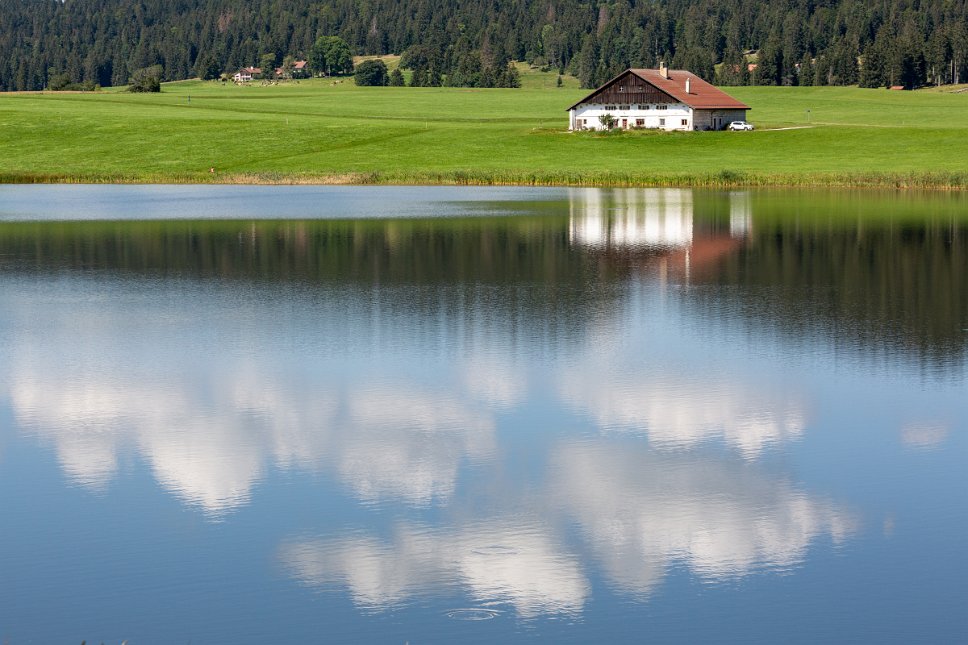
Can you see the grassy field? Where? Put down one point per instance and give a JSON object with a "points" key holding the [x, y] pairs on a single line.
{"points": [[321, 131]]}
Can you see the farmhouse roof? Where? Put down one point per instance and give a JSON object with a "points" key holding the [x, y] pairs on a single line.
{"points": [[299, 64], [701, 95]]}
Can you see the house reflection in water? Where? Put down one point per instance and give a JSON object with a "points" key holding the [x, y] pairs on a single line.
{"points": [[655, 228]]}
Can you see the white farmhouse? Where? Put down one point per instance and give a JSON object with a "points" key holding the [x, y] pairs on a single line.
{"points": [[662, 99], [246, 74]]}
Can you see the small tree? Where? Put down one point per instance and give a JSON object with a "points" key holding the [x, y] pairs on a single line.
{"points": [[514, 78], [417, 57], [371, 73], [146, 79], [607, 121], [396, 78], [807, 72], [268, 64], [288, 65], [331, 55], [317, 58], [418, 78], [58, 82]]}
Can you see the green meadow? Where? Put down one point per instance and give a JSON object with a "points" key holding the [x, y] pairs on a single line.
{"points": [[320, 131]]}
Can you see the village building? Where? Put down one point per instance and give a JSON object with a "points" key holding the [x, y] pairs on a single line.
{"points": [[663, 99], [246, 74], [300, 69]]}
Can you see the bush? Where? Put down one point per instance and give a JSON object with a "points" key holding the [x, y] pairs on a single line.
{"points": [[63, 83], [371, 73], [146, 79]]}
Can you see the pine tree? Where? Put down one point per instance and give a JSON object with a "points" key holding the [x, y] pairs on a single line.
{"points": [[587, 66], [769, 62], [418, 78], [872, 70], [807, 71]]}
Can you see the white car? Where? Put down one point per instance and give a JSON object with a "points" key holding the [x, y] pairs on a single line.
{"points": [[739, 125]]}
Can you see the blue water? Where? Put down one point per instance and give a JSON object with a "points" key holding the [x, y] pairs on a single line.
{"points": [[259, 415]]}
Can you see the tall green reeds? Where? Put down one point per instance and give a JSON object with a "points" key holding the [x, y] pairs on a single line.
{"points": [[936, 180]]}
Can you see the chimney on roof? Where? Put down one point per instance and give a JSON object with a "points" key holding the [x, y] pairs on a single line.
{"points": [[688, 86], [663, 70]]}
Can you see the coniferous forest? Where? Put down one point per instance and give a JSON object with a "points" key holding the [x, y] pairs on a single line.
{"points": [[873, 43]]}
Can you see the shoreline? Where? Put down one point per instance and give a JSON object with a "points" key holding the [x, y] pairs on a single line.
{"points": [[940, 181]]}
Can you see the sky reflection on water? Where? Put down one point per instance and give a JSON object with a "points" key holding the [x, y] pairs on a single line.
{"points": [[563, 417]]}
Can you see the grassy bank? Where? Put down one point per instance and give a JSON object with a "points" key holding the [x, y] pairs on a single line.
{"points": [[321, 132], [726, 179]]}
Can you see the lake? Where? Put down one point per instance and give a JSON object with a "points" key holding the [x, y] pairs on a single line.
{"points": [[440, 415]]}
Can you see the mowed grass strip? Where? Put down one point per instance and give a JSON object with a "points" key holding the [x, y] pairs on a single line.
{"points": [[319, 131]]}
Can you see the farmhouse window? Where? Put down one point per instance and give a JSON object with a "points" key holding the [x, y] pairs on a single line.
{"points": [[639, 123], [624, 107], [685, 122], [621, 88], [611, 107], [662, 107], [661, 121]]}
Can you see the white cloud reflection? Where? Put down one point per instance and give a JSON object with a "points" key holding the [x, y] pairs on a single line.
{"points": [[521, 564], [211, 447], [407, 443], [643, 512], [207, 453], [924, 435], [680, 412]]}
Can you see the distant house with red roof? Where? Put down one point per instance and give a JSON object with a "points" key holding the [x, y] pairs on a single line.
{"points": [[300, 69], [663, 99]]}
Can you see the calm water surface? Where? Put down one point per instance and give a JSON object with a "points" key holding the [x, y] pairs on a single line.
{"points": [[260, 414]]}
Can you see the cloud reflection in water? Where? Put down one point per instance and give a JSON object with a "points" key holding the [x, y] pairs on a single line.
{"points": [[682, 411], [643, 512], [640, 513], [407, 444], [507, 560], [209, 449]]}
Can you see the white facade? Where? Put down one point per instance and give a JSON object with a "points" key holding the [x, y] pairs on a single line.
{"points": [[631, 217], [246, 74], [627, 218], [669, 116], [656, 99]]}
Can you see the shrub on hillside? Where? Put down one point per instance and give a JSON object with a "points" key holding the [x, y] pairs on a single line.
{"points": [[62, 83], [146, 79], [371, 73]]}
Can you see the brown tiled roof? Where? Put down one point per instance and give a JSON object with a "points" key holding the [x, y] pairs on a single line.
{"points": [[702, 95], [299, 64]]}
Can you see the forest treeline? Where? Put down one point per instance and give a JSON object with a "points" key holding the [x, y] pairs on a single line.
{"points": [[731, 42]]}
